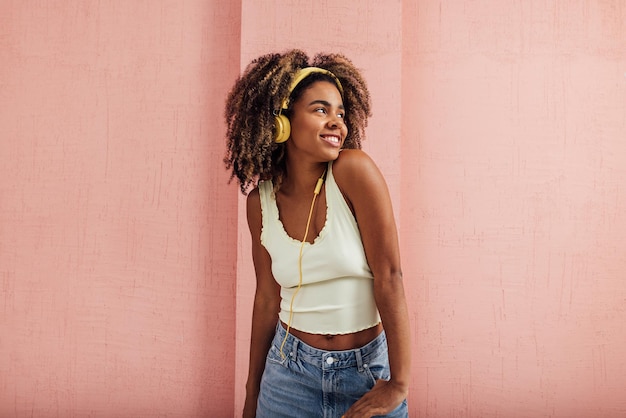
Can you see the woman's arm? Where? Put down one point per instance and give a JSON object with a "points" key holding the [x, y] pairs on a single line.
{"points": [[265, 309], [365, 190]]}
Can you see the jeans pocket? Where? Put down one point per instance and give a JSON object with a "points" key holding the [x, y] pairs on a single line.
{"points": [[377, 369], [274, 356]]}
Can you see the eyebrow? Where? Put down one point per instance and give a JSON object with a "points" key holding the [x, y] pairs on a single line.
{"points": [[325, 103]]}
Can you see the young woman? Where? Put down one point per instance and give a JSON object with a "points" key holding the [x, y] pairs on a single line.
{"points": [[330, 329]]}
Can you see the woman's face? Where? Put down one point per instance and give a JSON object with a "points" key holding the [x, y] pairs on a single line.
{"points": [[318, 127]]}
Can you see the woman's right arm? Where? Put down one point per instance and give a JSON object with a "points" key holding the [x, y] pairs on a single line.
{"points": [[266, 306]]}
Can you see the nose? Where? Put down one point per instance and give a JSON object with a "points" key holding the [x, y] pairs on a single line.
{"points": [[335, 121]]}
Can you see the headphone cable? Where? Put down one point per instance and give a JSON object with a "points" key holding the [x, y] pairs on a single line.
{"points": [[318, 188]]}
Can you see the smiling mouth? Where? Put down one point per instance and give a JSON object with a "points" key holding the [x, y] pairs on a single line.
{"points": [[333, 139]]}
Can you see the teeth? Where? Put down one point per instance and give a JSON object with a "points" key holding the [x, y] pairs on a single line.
{"points": [[332, 139]]}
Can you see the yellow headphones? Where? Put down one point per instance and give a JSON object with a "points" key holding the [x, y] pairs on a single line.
{"points": [[281, 122]]}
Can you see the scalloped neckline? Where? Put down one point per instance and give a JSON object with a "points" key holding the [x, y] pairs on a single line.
{"points": [[319, 236]]}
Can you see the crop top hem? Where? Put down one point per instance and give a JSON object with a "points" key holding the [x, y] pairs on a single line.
{"points": [[344, 331]]}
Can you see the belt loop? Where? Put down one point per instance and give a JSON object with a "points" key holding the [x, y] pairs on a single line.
{"points": [[359, 359], [294, 350]]}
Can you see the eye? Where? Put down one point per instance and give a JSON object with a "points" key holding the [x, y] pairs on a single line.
{"points": [[342, 115], [321, 110]]}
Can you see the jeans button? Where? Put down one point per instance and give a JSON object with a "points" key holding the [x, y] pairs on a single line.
{"points": [[330, 360]]}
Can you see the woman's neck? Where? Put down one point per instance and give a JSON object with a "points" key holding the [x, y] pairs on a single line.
{"points": [[302, 178]]}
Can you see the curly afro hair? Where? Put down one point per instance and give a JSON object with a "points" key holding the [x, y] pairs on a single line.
{"points": [[252, 153]]}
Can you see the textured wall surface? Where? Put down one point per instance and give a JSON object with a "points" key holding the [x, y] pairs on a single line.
{"points": [[125, 272], [514, 145], [117, 226]]}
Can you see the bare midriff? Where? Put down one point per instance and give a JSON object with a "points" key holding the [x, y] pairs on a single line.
{"points": [[337, 342]]}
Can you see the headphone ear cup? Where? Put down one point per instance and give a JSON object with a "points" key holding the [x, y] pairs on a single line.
{"points": [[282, 128]]}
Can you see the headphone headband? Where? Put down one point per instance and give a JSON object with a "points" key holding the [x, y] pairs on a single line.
{"points": [[282, 127], [304, 73]]}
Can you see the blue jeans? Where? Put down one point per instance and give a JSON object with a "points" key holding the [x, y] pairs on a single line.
{"points": [[310, 382]]}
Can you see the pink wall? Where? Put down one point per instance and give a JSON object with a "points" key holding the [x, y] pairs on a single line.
{"points": [[514, 180], [125, 274], [117, 228]]}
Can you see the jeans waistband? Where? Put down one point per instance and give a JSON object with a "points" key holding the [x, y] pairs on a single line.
{"points": [[296, 349]]}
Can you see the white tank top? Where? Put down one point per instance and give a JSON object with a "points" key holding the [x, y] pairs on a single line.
{"points": [[337, 293]]}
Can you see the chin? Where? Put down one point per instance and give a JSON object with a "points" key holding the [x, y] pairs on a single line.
{"points": [[334, 156]]}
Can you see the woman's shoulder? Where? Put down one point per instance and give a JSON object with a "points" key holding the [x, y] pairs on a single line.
{"points": [[253, 203], [262, 188], [351, 156], [253, 195], [353, 165]]}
